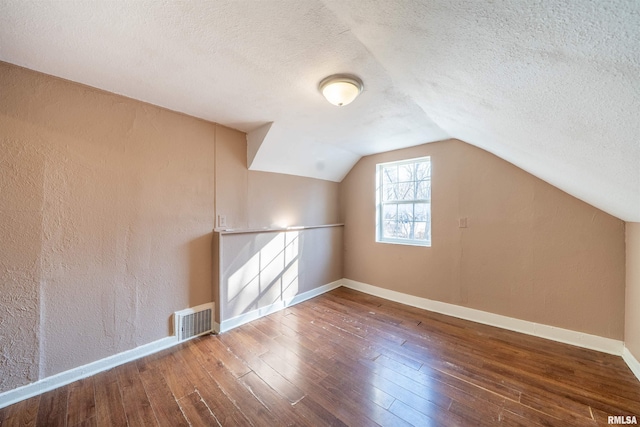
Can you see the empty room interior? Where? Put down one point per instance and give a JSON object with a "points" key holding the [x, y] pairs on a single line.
{"points": [[320, 212]]}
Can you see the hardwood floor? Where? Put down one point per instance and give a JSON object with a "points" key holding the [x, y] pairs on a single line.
{"points": [[346, 358]]}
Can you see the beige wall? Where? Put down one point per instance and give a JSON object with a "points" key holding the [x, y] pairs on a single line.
{"points": [[107, 207], [252, 199], [256, 200], [105, 221], [632, 311], [530, 251]]}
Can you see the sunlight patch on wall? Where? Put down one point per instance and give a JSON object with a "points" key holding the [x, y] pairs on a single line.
{"points": [[270, 275]]}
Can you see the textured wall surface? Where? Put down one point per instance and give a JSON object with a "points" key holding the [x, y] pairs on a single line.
{"points": [[632, 300], [21, 203], [105, 223], [106, 214], [251, 199], [530, 251], [286, 200]]}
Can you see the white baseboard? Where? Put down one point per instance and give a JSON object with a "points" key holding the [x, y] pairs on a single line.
{"points": [[580, 339], [631, 362], [46, 384], [226, 325]]}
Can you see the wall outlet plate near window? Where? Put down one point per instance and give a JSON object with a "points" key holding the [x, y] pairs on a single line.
{"points": [[222, 220]]}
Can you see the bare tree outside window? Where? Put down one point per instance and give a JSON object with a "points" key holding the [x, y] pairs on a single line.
{"points": [[404, 202]]}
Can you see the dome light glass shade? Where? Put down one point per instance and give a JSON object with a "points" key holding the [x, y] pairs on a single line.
{"points": [[341, 89]]}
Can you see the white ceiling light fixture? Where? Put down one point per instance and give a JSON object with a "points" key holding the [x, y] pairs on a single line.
{"points": [[341, 89]]}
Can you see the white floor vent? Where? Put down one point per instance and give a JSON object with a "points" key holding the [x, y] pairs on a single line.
{"points": [[194, 321]]}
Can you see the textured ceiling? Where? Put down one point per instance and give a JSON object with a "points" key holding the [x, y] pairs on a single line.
{"points": [[551, 86]]}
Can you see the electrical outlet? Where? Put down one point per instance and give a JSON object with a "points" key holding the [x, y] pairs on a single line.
{"points": [[222, 220], [462, 222]]}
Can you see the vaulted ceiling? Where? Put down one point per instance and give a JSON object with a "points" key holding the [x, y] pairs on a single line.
{"points": [[552, 86]]}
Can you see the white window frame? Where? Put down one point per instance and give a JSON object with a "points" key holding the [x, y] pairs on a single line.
{"points": [[380, 203]]}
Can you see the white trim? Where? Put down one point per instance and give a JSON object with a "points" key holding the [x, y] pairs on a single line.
{"points": [[228, 231], [580, 339], [226, 325], [632, 362], [46, 384]]}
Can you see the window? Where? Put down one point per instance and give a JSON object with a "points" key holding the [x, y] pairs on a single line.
{"points": [[403, 202]]}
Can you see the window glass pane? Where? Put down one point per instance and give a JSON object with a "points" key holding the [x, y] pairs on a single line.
{"points": [[390, 192], [390, 221], [406, 191], [420, 231], [405, 212], [389, 174], [405, 173], [423, 170], [423, 190], [405, 221], [389, 229], [420, 211], [390, 212]]}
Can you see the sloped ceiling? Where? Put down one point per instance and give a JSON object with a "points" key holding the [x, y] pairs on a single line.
{"points": [[552, 86]]}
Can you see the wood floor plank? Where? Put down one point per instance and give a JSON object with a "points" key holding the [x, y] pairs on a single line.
{"points": [[217, 351], [349, 359], [266, 326], [21, 414], [476, 410], [283, 357], [81, 404], [559, 406], [408, 392], [88, 422], [176, 374], [335, 335], [251, 407], [271, 376], [137, 406], [224, 409], [53, 407], [196, 411], [509, 419], [109, 406], [345, 407], [163, 401], [248, 404], [316, 414], [339, 374], [427, 377], [535, 417], [368, 402], [411, 416], [280, 408]]}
